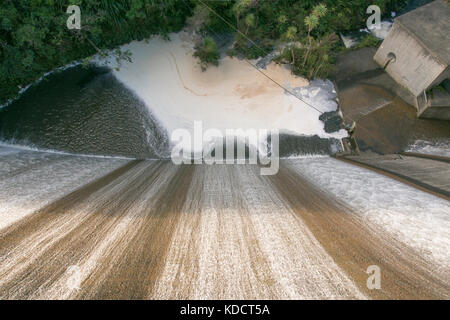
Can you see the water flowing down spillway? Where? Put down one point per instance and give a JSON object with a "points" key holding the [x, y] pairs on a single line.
{"points": [[152, 229]]}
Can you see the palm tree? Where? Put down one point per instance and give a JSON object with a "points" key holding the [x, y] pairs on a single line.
{"points": [[239, 7], [312, 21], [320, 10], [249, 21], [291, 34]]}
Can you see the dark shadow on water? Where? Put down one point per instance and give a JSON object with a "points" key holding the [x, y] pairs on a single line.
{"points": [[84, 110]]}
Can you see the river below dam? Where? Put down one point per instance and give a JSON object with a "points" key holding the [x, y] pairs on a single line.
{"points": [[132, 109]]}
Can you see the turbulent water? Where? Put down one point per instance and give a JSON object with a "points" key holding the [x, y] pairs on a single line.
{"points": [[85, 110], [132, 112], [439, 147]]}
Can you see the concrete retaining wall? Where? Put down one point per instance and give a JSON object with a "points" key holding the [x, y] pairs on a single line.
{"points": [[415, 68]]}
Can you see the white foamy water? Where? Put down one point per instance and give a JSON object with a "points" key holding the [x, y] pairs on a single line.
{"points": [[437, 148], [417, 218], [30, 180], [166, 76]]}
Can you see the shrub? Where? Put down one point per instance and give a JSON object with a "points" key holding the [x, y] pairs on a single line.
{"points": [[207, 53], [368, 41]]}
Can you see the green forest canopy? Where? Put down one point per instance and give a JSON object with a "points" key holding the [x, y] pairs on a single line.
{"points": [[34, 38]]}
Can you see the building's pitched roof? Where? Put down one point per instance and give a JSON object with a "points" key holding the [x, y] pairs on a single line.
{"points": [[431, 25]]}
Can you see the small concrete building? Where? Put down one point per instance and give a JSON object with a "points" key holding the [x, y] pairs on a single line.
{"points": [[416, 54]]}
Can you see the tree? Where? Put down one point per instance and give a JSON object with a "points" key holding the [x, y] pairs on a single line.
{"points": [[249, 21], [291, 35], [239, 8], [312, 21]]}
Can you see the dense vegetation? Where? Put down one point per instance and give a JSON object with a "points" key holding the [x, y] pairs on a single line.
{"points": [[34, 38], [308, 27]]}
